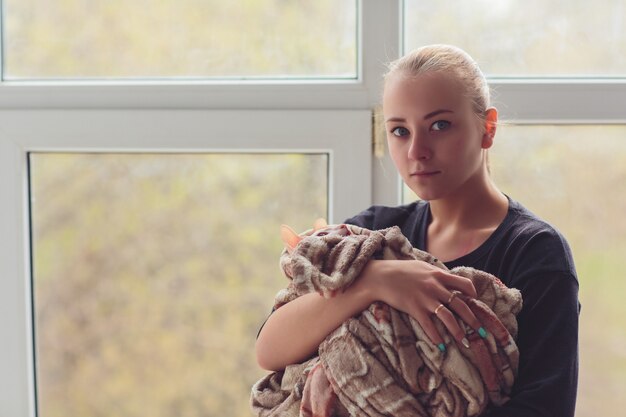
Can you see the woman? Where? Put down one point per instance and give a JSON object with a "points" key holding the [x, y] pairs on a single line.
{"points": [[439, 128]]}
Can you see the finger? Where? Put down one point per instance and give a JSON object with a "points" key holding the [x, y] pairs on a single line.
{"points": [[449, 320], [459, 306], [431, 331], [456, 282]]}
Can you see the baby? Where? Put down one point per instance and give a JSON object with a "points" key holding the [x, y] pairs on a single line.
{"points": [[381, 362]]}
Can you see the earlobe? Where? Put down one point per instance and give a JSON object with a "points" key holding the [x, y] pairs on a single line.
{"points": [[491, 121]]}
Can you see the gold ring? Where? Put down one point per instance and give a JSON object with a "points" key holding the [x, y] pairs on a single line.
{"points": [[439, 307], [453, 295]]}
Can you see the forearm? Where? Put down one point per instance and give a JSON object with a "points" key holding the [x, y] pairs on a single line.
{"points": [[294, 331]]}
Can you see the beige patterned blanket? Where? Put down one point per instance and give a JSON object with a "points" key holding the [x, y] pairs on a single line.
{"points": [[380, 362]]}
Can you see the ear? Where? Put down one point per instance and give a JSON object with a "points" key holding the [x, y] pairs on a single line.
{"points": [[319, 224], [289, 237], [491, 121]]}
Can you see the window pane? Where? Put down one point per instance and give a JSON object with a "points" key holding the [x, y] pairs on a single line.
{"points": [[154, 272], [526, 38], [575, 178], [179, 38]]}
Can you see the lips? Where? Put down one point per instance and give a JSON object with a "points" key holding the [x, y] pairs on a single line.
{"points": [[424, 174]]}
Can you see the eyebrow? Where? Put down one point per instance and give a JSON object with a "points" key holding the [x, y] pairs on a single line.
{"points": [[437, 112], [428, 116]]}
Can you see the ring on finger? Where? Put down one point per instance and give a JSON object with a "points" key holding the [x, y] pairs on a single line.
{"points": [[453, 296], [439, 307]]}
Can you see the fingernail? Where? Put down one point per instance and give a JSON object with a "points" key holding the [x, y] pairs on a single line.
{"points": [[441, 347], [465, 342], [482, 332]]}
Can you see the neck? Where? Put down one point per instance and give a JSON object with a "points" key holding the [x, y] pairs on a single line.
{"points": [[477, 205]]}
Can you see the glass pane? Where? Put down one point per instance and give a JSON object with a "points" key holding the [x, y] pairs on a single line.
{"points": [[575, 178], [179, 38], [526, 38], [154, 272]]}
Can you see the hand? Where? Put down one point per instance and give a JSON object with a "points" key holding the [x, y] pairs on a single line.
{"points": [[422, 290]]}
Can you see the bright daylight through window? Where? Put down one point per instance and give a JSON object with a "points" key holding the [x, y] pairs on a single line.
{"points": [[151, 275], [150, 151], [179, 38]]}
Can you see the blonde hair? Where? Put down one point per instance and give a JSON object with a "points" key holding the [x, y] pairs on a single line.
{"points": [[450, 60]]}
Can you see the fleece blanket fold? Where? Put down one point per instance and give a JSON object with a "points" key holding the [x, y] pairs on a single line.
{"points": [[380, 362]]}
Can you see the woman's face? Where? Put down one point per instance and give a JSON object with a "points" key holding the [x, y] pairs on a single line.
{"points": [[435, 140]]}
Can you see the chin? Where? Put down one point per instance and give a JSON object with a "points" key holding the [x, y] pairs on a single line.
{"points": [[426, 190], [427, 197], [429, 194]]}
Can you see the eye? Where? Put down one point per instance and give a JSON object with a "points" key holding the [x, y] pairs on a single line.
{"points": [[322, 233], [440, 125], [400, 131]]}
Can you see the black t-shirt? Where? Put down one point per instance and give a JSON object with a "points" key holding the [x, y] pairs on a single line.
{"points": [[528, 254]]}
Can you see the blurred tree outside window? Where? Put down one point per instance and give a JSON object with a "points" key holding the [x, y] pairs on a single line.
{"points": [[574, 177], [87, 39], [532, 38], [153, 273]]}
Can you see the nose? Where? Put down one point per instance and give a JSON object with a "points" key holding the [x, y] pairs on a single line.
{"points": [[419, 149]]}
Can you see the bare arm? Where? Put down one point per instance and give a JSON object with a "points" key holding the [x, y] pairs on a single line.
{"points": [[294, 331]]}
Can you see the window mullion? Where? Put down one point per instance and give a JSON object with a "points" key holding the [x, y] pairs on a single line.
{"points": [[380, 43], [17, 378], [560, 101]]}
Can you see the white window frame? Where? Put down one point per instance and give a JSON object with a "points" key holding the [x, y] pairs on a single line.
{"points": [[328, 116], [332, 116]]}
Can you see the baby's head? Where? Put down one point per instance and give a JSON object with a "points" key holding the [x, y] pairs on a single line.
{"points": [[320, 228]]}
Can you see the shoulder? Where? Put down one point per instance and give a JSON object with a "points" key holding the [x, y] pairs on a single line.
{"points": [[534, 246], [536, 258], [381, 217]]}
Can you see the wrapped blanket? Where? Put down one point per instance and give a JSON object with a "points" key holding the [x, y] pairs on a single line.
{"points": [[380, 362]]}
